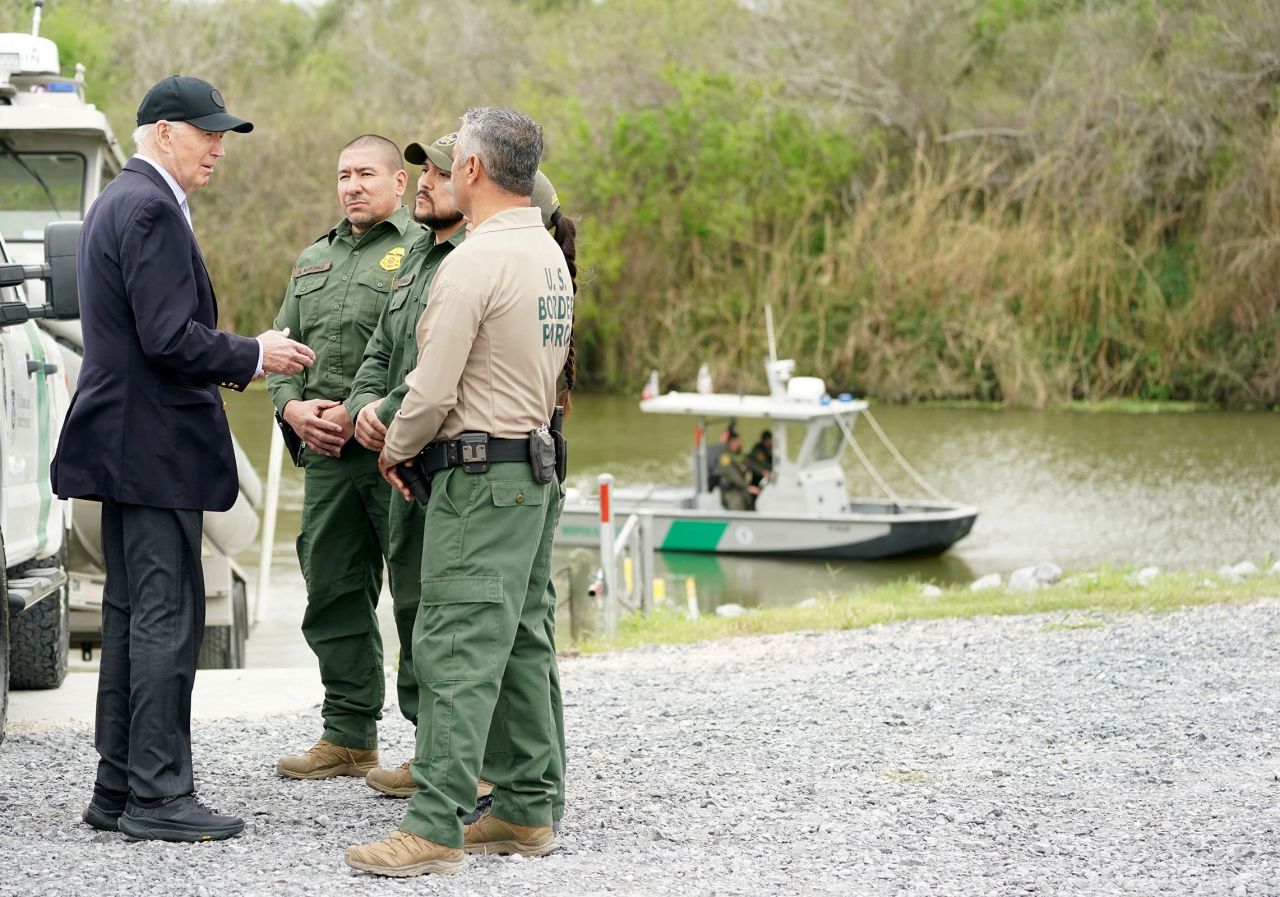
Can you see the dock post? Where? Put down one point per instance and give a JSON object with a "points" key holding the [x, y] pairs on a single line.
{"points": [[583, 616], [646, 561], [607, 563], [261, 594]]}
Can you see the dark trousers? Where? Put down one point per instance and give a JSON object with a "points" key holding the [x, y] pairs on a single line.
{"points": [[152, 626]]}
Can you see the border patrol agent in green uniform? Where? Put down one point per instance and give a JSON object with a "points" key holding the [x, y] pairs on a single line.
{"points": [[736, 491], [760, 460], [335, 297], [492, 343], [376, 394]]}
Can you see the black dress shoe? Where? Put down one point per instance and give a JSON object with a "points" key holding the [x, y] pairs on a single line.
{"points": [[180, 818], [105, 808]]}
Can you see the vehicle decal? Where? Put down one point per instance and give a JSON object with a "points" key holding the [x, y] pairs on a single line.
{"points": [[42, 448], [694, 535]]}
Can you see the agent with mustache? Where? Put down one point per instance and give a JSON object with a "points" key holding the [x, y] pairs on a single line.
{"points": [[337, 292], [376, 394]]}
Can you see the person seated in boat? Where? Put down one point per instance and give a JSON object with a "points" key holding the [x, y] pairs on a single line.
{"points": [[714, 453], [737, 492], [760, 461]]}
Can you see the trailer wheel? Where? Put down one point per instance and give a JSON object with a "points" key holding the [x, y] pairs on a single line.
{"points": [[40, 637], [223, 646]]}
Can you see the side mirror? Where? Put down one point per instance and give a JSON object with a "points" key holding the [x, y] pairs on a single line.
{"points": [[61, 290]]}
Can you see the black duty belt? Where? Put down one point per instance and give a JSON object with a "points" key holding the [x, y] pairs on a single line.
{"points": [[473, 452]]}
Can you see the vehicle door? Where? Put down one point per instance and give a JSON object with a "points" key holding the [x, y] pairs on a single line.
{"points": [[21, 378]]}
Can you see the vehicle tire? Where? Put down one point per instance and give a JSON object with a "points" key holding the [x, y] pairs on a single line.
{"points": [[39, 639], [223, 646], [4, 642]]}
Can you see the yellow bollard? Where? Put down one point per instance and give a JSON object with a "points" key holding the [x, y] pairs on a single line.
{"points": [[628, 575], [659, 591], [691, 596]]}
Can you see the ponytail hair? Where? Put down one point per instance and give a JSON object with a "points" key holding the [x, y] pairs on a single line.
{"points": [[565, 233]]}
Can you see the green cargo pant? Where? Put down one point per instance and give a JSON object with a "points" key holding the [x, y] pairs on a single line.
{"points": [[404, 561], [340, 550], [480, 647], [499, 744]]}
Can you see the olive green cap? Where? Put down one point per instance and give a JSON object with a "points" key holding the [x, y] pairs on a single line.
{"points": [[545, 198], [440, 152]]}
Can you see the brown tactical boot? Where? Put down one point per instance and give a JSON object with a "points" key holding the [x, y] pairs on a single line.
{"points": [[393, 782], [403, 854], [489, 834], [326, 760]]}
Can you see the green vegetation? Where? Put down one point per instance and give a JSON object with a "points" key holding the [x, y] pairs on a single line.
{"points": [[1015, 201], [1079, 602]]}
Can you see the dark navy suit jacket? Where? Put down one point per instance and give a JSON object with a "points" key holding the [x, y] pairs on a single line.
{"points": [[146, 425]]}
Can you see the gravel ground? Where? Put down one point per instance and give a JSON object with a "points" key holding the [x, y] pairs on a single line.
{"points": [[1033, 755]]}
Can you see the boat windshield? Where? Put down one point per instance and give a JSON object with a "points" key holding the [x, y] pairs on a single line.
{"points": [[830, 442], [36, 188]]}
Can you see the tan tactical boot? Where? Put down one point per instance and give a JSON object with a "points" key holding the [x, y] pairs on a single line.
{"points": [[489, 834], [394, 782], [483, 788], [326, 760], [404, 854]]}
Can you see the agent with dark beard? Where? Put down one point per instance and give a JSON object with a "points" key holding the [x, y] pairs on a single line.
{"points": [[376, 394]]}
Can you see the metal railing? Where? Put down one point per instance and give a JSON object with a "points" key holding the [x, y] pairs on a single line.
{"points": [[626, 560]]}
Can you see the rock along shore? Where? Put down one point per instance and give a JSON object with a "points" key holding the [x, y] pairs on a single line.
{"points": [[1050, 754]]}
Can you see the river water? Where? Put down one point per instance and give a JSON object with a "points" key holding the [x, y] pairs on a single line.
{"points": [[1080, 489]]}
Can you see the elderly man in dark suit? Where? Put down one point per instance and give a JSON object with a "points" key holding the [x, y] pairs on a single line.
{"points": [[147, 436]]}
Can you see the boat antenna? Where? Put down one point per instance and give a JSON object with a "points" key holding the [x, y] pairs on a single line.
{"points": [[768, 326], [35, 19]]}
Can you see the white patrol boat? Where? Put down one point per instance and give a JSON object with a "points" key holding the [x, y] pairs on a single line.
{"points": [[803, 509]]}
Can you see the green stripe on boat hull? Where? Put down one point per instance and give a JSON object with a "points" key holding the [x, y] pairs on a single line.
{"points": [[765, 536], [693, 535]]}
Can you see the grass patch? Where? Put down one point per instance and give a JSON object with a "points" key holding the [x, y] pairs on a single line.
{"points": [[1107, 592], [1085, 406], [1137, 406]]}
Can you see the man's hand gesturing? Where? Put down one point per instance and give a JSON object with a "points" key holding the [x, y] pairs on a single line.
{"points": [[281, 355]]}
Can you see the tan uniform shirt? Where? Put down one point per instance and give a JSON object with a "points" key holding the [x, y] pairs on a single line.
{"points": [[492, 340]]}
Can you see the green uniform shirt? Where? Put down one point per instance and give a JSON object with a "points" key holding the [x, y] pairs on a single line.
{"points": [[392, 352], [337, 292], [733, 472]]}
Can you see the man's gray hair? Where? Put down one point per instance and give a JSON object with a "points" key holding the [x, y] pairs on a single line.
{"points": [[508, 143], [145, 135]]}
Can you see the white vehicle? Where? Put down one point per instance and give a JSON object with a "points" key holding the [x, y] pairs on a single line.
{"points": [[34, 524], [57, 153]]}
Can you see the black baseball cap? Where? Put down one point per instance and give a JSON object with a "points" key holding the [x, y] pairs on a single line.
{"points": [[181, 98]]}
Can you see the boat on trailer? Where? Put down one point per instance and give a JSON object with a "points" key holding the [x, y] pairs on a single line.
{"points": [[804, 509]]}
